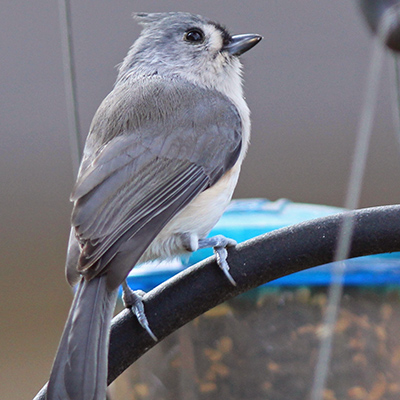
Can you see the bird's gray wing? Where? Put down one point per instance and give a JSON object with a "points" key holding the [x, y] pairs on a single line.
{"points": [[154, 145]]}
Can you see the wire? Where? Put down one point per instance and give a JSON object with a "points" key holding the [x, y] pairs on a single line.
{"points": [[395, 91], [70, 83]]}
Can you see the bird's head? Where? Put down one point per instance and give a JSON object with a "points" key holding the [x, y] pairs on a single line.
{"points": [[186, 46]]}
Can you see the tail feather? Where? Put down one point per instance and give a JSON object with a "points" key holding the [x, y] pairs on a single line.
{"points": [[80, 367]]}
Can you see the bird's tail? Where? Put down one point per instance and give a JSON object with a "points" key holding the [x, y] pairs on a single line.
{"points": [[80, 368]]}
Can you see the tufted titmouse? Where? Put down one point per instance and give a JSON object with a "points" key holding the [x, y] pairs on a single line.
{"points": [[160, 164]]}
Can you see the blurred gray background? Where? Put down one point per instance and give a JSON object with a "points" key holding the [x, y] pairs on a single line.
{"points": [[304, 84]]}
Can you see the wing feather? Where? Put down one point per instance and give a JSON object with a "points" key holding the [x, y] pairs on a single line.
{"points": [[134, 217]]}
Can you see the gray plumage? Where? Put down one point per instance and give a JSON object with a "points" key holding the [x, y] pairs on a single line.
{"points": [[166, 134], [132, 177]]}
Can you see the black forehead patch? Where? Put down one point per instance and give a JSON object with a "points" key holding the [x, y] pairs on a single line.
{"points": [[226, 36]]}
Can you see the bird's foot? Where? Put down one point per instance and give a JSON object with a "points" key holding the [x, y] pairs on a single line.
{"points": [[219, 244], [134, 301]]}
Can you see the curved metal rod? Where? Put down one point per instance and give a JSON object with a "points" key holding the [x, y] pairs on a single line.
{"points": [[254, 262]]}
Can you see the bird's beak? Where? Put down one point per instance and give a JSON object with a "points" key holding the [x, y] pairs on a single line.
{"points": [[239, 44]]}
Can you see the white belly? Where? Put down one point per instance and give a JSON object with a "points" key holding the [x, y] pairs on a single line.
{"points": [[197, 218]]}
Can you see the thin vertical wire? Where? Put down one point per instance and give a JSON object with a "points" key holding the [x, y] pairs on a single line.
{"points": [[70, 83], [351, 202], [396, 94], [395, 89]]}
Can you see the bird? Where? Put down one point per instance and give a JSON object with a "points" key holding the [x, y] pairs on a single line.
{"points": [[159, 167]]}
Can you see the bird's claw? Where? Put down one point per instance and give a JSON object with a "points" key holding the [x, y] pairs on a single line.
{"points": [[134, 301], [219, 244]]}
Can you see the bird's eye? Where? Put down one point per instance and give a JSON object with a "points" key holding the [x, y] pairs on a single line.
{"points": [[194, 35]]}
